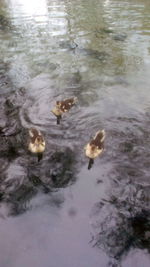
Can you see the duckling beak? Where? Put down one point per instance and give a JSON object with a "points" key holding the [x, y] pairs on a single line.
{"points": [[39, 156], [91, 162]]}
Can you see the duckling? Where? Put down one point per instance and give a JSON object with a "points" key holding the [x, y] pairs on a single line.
{"points": [[63, 107], [36, 143], [95, 147]]}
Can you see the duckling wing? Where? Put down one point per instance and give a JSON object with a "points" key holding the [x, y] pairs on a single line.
{"points": [[67, 104]]}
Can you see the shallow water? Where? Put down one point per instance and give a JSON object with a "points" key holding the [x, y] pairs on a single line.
{"points": [[57, 212]]}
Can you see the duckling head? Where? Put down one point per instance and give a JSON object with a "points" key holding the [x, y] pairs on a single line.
{"points": [[57, 111], [37, 143]]}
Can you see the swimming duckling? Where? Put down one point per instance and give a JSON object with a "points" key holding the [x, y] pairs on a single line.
{"points": [[36, 143], [95, 147], [63, 107]]}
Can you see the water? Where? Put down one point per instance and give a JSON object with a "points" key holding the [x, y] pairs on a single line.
{"points": [[57, 212]]}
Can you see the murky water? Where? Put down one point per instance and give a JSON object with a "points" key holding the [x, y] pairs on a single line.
{"points": [[56, 212]]}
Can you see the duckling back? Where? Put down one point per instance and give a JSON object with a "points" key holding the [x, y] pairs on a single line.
{"points": [[63, 107], [67, 104], [96, 146]]}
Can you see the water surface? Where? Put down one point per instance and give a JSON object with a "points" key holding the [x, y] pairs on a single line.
{"points": [[57, 212]]}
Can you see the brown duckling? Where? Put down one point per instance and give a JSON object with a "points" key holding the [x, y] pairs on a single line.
{"points": [[95, 147], [63, 107], [36, 143]]}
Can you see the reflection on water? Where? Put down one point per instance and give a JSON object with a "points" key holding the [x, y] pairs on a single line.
{"points": [[97, 51], [30, 8]]}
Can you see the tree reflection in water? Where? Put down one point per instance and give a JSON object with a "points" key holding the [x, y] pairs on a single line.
{"points": [[122, 222]]}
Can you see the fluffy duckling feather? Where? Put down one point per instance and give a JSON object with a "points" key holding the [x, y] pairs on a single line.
{"points": [[36, 142], [63, 107], [95, 147]]}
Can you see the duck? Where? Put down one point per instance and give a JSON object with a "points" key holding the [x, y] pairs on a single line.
{"points": [[62, 107], [36, 143], [95, 147]]}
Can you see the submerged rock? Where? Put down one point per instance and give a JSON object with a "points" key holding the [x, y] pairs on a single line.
{"points": [[62, 171], [102, 31], [5, 23], [101, 56], [70, 45], [121, 222], [120, 37], [22, 176]]}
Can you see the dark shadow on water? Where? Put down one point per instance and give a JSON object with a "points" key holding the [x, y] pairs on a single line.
{"points": [[122, 221], [102, 56], [23, 175], [5, 23], [39, 156], [63, 170], [18, 199], [90, 164], [58, 119]]}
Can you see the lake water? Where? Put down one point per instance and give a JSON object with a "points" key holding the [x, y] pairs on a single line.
{"points": [[56, 212]]}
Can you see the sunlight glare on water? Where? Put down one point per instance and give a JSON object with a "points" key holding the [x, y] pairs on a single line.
{"points": [[31, 8]]}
